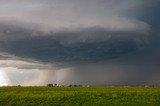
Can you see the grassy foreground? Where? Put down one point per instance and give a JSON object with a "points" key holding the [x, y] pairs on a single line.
{"points": [[79, 96]]}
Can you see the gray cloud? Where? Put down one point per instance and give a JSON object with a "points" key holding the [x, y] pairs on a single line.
{"points": [[90, 42], [73, 14]]}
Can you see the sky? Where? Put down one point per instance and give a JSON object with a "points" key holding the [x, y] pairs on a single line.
{"points": [[87, 42]]}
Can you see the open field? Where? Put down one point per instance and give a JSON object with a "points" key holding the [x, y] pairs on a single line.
{"points": [[79, 96]]}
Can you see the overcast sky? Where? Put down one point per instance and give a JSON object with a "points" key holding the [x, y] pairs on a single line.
{"points": [[88, 42]]}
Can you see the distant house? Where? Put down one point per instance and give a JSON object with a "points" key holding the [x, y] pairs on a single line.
{"points": [[50, 85]]}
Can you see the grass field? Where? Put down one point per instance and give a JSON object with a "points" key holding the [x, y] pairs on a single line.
{"points": [[79, 96]]}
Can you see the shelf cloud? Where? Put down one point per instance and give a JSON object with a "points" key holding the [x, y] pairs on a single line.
{"points": [[88, 42]]}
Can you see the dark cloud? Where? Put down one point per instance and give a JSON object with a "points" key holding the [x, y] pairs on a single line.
{"points": [[92, 44], [95, 42]]}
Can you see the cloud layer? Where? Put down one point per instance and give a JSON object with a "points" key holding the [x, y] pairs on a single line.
{"points": [[89, 42]]}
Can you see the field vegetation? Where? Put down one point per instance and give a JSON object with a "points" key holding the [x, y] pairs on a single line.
{"points": [[79, 96]]}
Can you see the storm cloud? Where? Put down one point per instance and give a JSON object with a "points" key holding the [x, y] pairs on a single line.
{"points": [[88, 42]]}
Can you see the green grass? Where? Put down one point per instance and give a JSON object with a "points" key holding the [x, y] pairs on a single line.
{"points": [[79, 96]]}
